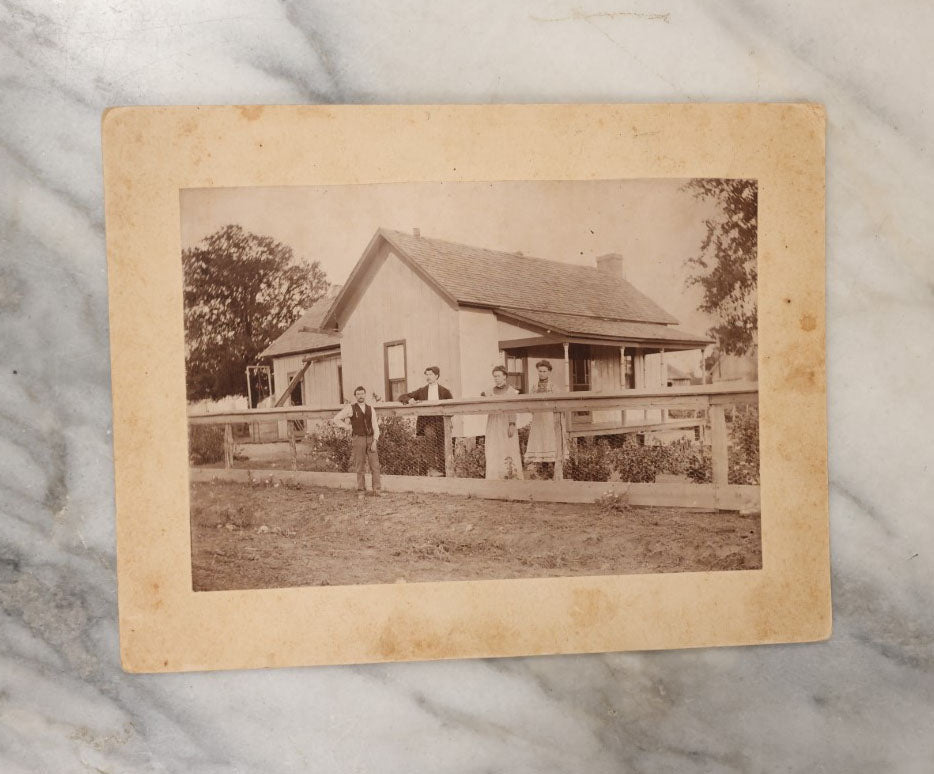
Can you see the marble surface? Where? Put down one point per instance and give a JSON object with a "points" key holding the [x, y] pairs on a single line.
{"points": [[862, 702]]}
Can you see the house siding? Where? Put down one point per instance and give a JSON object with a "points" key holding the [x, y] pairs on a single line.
{"points": [[606, 376], [319, 385], [396, 304], [479, 352]]}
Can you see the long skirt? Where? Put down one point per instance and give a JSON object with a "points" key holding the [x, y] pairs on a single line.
{"points": [[503, 458], [542, 446]]}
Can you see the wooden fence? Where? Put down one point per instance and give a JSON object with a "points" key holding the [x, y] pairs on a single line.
{"points": [[710, 399]]}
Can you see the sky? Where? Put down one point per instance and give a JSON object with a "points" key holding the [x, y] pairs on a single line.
{"points": [[654, 224]]}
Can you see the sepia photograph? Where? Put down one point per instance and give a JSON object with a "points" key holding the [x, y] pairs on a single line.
{"points": [[414, 382]]}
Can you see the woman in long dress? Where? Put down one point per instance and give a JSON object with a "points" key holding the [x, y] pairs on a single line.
{"points": [[542, 446], [503, 458]]}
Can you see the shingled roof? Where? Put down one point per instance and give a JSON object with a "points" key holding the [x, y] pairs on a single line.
{"points": [[578, 325], [304, 335], [494, 279]]}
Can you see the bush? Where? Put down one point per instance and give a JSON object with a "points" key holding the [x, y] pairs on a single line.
{"points": [[331, 446], [743, 451], [400, 450], [744, 446], [637, 464], [589, 461], [469, 461], [205, 444]]}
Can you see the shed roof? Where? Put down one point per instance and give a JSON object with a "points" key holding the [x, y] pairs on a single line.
{"points": [[305, 334], [580, 325]]}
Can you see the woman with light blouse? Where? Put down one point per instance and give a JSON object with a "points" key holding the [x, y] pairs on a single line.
{"points": [[503, 458]]}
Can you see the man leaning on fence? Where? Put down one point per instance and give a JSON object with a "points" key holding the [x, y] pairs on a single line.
{"points": [[431, 428], [360, 418]]}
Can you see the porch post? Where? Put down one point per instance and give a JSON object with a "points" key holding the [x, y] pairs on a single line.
{"points": [[663, 367], [567, 388], [567, 368]]}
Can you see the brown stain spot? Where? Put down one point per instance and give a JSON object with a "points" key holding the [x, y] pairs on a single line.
{"points": [[787, 300], [403, 638], [808, 322], [251, 112], [590, 607], [801, 379], [165, 663]]}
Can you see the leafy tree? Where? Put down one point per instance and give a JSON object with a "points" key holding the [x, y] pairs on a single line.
{"points": [[241, 291], [725, 266]]}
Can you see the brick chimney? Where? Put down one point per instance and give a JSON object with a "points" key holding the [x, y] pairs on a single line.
{"points": [[416, 232], [612, 263]]}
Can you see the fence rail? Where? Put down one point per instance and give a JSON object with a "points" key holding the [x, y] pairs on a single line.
{"points": [[699, 396], [711, 399]]}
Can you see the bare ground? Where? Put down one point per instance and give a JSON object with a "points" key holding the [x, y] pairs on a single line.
{"points": [[260, 536]]}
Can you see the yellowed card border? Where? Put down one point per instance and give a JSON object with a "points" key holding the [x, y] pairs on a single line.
{"points": [[152, 153]]}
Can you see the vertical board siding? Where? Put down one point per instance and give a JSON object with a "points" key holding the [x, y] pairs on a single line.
{"points": [[480, 333], [396, 304], [606, 376], [653, 380]]}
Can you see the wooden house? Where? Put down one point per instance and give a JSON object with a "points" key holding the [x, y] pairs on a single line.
{"points": [[412, 301], [306, 362]]}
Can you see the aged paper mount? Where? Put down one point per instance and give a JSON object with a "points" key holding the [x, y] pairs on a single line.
{"points": [[151, 154]]}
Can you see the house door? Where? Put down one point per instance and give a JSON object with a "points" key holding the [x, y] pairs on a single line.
{"points": [[297, 398], [580, 362]]}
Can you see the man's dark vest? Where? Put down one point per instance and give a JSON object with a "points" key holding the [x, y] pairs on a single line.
{"points": [[361, 420]]}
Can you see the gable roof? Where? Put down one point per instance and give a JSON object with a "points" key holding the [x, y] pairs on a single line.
{"points": [[305, 334], [490, 278]]}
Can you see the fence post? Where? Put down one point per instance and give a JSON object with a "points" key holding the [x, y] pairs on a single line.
{"points": [[718, 449], [228, 446], [292, 449], [559, 447], [449, 447]]}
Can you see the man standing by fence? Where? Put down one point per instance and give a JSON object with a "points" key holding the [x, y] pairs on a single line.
{"points": [[360, 418], [432, 428]]}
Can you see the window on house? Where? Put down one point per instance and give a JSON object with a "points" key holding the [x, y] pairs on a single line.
{"points": [[515, 369], [394, 355]]}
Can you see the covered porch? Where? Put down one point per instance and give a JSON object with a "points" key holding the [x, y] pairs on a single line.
{"points": [[604, 363]]}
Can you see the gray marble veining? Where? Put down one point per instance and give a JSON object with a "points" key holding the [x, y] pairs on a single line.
{"points": [[862, 702]]}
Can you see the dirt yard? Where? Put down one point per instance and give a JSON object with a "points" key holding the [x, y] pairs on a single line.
{"points": [[262, 536]]}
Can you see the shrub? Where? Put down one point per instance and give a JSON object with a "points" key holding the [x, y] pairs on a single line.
{"points": [[742, 454], [638, 464], [469, 461], [205, 444], [400, 450], [331, 446], [589, 461], [744, 445]]}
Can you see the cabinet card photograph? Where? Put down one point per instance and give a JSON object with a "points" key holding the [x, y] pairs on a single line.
{"points": [[397, 383], [337, 368]]}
